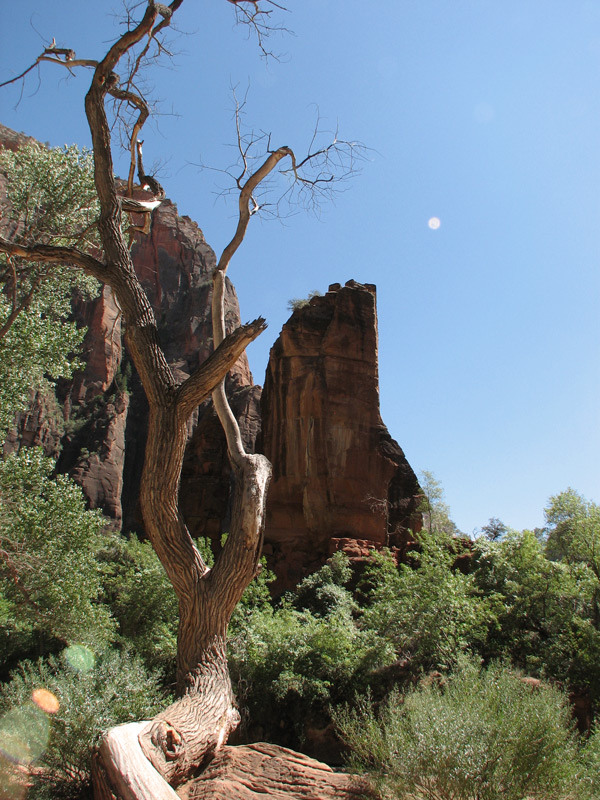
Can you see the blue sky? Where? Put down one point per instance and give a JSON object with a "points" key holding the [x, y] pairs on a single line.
{"points": [[482, 113]]}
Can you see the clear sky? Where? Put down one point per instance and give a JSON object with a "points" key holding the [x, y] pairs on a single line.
{"points": [[484, 114]]}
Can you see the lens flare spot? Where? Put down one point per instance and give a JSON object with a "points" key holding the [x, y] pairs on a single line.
{"points": [[45, 700], [80, 657], [434, 223], [24, 734]]}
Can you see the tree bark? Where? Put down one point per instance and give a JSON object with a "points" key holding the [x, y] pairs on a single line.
{"points": [[132, 761], [143, 760]]}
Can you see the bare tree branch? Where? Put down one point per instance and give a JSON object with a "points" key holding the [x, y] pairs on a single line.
{"points": [[57, 255]]}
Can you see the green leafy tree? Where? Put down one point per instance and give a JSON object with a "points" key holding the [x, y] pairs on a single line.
{"points": [[50, 199], [50, 577], [436, 512], [573, 530], [543, 610], [429, 611]]}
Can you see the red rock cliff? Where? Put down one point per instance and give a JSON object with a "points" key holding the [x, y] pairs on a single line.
{"points": [[338, 476], [340, 480]]}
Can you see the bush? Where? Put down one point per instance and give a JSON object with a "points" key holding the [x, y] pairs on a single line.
{"points": [[591, 760], [481, 736], [301, 302], [545, 611], [429, 612], [142, 600], [294, 661], [92, 697], [50, 577]]}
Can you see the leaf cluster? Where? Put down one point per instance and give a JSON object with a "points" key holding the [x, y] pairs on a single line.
{"points": [[50, 196], [295, 660], [50, 577], [117, 688], [481, 735]]}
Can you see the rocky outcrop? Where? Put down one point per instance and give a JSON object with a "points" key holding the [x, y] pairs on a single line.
{"points": [[105, 406], [264, 770], [339, 479], [96, 425], [206, 474]]}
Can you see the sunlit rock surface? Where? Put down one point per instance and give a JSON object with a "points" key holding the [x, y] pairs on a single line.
{"points": [[265, 770], [339, 479]]}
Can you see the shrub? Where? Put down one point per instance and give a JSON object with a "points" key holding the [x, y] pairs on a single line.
{"points": [[545, 611], [296, 660], [591, 760], [50, 578], [481, 736], [300, 302], [142, 600], [92, 697], [428, 611]]}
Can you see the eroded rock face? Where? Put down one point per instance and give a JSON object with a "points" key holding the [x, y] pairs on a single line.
{"points": [[97, 423], [105, 406], [339, 480]]}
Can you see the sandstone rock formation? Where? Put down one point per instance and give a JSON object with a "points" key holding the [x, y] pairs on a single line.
{"points": [[175, 265], [96, 425], [264, 770], [339, 480]]}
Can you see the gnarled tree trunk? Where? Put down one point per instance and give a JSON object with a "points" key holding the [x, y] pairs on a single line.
{"points": [[144, 760]]}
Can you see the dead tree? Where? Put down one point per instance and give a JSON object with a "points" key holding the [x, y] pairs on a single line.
{"points": [[144, 760]]}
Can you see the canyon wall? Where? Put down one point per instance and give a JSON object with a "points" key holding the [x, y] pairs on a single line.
{"points": [[340, 480]]}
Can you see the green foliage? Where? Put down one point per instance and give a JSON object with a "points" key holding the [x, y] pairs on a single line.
{"points": [[300, 302], [544, 611], [50, 578], [39, 345], [142, 601], [256, 598], [591, 761], [116, 689], [428, 611], [290, 661], [495, 529], [51, 196], [480, 736], [51, 199], [323, 592], [436, 512], [574, 530]]}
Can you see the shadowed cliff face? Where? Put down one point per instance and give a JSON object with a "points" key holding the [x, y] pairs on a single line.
{"points": [[339, 480], [175, 266]]}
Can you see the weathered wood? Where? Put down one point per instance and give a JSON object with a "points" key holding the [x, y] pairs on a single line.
{"points": [[129, 773], [261, 770]]}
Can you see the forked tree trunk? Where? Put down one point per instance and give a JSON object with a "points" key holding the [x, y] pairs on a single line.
{"points": [[184, 736], [143, 760]]}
